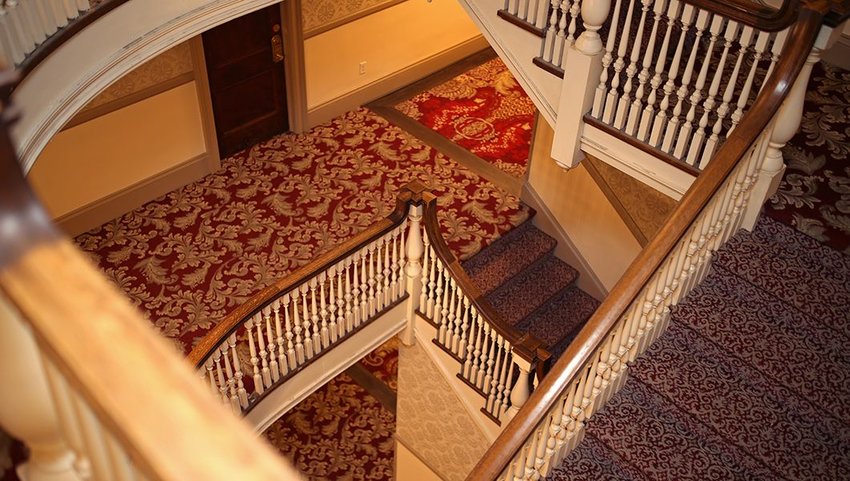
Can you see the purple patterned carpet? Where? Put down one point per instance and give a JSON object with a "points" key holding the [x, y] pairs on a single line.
{"points": [[751, 381]]}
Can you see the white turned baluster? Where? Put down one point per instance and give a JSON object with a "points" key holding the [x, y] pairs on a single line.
{"points": [[280, 339], [649, 110], [631, 70], [305, 322], [364, 288], [92, 437], [298, 328], [71, 9], [403, 254], [255, 361], [464, 328], [11, 51], [274, 369], [482, 380], [334, 298], [432, 286], [438, 296], [355, 290], [489, 353], [372, 304], [292, 356], [230, 376], [646, 63], [503, 387], [453, 322], [522, 389], [575, 9], [323, 309], [475, 360], [684, 137], [396, 268], [29, 20], [58, 13], [83, 5], [210, 367], [682, 93], [551, 32], [775, 51], [314, 317], [540, 16], [613, 92], [494, 391], [241, 394], [696, 145], [261, 344], [512, 6], [743, 98], [386, 296], [561, 36], [607, 59], [426, 270], [660, 121], [340, 301], [18, 28], [728, 93], [349, 295]]}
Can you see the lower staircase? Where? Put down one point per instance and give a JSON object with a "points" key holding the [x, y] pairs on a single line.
{"points": [[533, 290], [750, 381]]}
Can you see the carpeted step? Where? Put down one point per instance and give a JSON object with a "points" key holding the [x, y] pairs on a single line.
{"points": [[559, 320], [532, 288], [794, 267], [593, 461], [762, 418], [507, 256]]}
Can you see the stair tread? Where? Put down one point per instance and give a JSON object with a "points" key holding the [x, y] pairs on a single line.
{"points": [[595, 461], [508, 256], [561, 318], [530, 289]]}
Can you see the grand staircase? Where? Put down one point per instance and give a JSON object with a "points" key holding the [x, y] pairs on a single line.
{"points": [[532, 289], [750, 381]]}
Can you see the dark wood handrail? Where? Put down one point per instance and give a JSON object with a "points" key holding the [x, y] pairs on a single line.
{"points": [[648, 261], [407, 196], [525, 345], [750, 13]]}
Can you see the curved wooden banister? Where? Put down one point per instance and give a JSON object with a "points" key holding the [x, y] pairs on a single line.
{"points": [[161, 418], [751, 13], [526, 345], [320, 264], [625, 292]]}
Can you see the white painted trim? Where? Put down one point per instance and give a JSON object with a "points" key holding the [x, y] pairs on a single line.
{"points": [[202, 89], [90, 61], [471, 400], [118, 203], [644, 167], [394, 81], [325, 368], [566, 249]]}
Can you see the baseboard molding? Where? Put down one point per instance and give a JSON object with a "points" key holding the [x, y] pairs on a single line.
{"points": [[389, 83], [101, 211], [566, 250]]}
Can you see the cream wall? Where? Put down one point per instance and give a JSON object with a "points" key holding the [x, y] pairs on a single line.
{"points": [[117, 151], [388, 41], [582, 211]]}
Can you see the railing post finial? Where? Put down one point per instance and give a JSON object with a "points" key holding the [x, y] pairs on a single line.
{"points": [[593, 15]]}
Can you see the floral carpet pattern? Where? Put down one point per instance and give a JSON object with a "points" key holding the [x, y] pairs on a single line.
{"points": [[814, 195], [192, 256], [483, 110]]}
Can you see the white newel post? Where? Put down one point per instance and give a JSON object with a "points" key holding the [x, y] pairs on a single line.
{"points": [[582, 67], [414, 248], [522, 388], [786, 124], [28, 412]]}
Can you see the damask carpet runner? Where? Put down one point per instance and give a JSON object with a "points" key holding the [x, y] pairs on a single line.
{"points": [[483, 110], [751, 381]]}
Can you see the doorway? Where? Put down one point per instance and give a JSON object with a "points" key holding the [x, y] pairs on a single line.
{"points": [[245, 66]]}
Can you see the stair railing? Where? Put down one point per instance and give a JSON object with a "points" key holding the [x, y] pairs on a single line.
{"points": [[88, 384], [494, 359], [26, 24], [637, 310], [295, 321]]}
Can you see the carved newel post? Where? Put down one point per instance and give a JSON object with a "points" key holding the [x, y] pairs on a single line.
{"points": [[27, 411], [413, 269], [583, 64], [522, 389]]}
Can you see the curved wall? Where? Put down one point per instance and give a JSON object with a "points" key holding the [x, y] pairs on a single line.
{"points": [[103, 52]]}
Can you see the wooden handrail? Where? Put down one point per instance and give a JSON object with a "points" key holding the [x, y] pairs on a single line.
{"points": [[525, 345], [109, 354], [648, 261], [750, 13], [260, 300]]}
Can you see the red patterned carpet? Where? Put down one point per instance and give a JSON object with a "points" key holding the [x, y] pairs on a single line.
{"points": [[192, 256], [483, 110], [341, 432], [814, 196]]}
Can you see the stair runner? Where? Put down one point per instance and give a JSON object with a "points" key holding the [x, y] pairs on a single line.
{"points": [[532, 289], [751, 381]]}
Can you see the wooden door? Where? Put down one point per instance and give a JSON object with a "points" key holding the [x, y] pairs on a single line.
{"points": [[247, 82]]}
